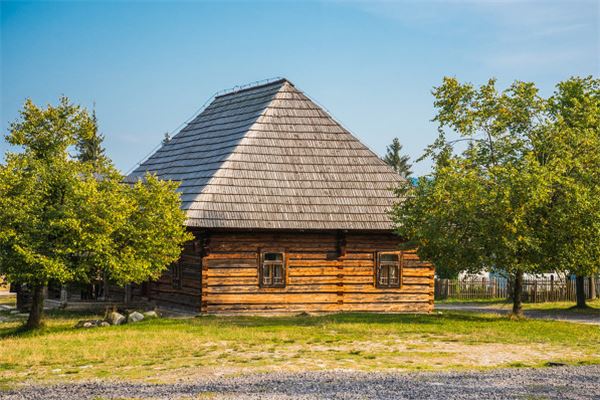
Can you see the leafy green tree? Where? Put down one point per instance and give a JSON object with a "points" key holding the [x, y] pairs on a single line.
{"points": [[573, 230], [60, 220], [400, 163], [482, 207]]}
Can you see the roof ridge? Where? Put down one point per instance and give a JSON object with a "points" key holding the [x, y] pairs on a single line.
{"points": [[251, 86]]}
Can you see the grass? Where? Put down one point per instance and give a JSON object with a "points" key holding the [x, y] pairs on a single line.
{"points": [[558, 307], [9, 300], [472, 301], [165, 350], [593, 305]]}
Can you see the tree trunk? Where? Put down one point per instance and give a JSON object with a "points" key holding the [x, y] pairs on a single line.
{"points": [[105, 286], [37, 307], [593, 293], [517, 294], [580, 291]]}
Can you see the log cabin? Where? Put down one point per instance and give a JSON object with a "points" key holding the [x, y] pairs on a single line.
{"points": [[289, 210]]}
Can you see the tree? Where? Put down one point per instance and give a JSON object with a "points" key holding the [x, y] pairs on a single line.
{"points": [[482, 207], [89, 147], [573, 231], [60, 220], [393, 158]]}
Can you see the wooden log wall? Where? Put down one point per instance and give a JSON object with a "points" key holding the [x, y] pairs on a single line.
{"points": [[326, 272], [188, 295]]}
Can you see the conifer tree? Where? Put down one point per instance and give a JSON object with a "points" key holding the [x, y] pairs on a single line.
{"points": [[89, 147], [393, 158]]}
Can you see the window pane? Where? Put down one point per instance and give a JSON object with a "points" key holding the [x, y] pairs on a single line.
{"points": [[273, 257], [383, 276], [277, 274], [267, 278], [388, 257], [394, 276]]}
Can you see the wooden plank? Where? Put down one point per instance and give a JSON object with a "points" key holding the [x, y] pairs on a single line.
{"points": [[278, 308], [330, 263], [317, 288], [324, 279], [318, 271], [232, 263], [254, 298], [232, 272], [325, 256], [417, 272]]}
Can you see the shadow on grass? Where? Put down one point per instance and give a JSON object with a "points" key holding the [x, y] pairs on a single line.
{"points": [[66, 321], [67, 317], [354, 318], [571, 311]]}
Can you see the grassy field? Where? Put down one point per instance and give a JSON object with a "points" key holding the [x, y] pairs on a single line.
{"points": [[593, 306], [168, 350], [559, 307]]}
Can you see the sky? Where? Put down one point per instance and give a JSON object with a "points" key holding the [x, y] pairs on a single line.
{"points": [[148, 66]]}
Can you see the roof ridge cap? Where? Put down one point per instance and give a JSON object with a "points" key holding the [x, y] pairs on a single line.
{"points": [[251, 86]]}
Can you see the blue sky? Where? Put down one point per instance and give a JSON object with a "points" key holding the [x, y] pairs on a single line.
{"points": [[149, 66]]}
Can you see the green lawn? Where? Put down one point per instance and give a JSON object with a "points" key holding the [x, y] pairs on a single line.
{"points": [[558, 307], [593, 306], [167, 349]]}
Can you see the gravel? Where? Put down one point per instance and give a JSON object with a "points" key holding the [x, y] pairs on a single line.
{"points": [[516, 383]]}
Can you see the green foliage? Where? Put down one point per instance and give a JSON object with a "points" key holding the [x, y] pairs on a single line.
{"points": [[393, 158], [524, 194], [62, 220], [480, 208], [573, 235]]}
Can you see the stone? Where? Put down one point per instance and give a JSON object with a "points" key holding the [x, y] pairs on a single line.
{"points": [[91, 323], [151, 314], [135, 317], [104, 324], [114, 318]]}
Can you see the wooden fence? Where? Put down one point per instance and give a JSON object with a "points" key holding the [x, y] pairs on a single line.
{"points": [[534, 290]]}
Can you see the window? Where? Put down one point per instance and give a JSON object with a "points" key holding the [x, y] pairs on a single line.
{"points": [[176, 272], [388, 270], [272, 270]]}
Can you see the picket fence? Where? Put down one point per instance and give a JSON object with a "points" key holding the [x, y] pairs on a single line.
{"points": [[534, 290]]}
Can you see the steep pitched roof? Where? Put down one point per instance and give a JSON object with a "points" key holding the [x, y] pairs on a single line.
{"points": [[269, 157]]}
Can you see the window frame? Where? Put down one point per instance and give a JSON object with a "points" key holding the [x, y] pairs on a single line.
{"points": [[379, 265], [273, 263]]}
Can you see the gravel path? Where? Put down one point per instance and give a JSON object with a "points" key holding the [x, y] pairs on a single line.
{"points": [[589, 318], [517, 383]]}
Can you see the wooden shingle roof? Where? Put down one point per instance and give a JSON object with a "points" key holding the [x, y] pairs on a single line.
{"points": [[269, 157]]}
